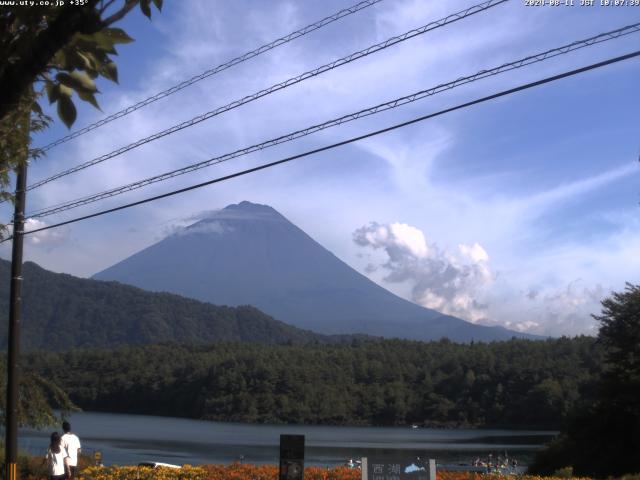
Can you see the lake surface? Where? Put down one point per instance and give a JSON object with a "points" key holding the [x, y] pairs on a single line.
{"points": [[129, 439]]}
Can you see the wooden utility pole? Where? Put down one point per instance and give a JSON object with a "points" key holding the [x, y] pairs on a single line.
{"points": [[13, 364]]}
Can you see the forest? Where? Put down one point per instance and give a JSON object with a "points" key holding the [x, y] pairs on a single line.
{"points": [[63, 312], [517, 384]]}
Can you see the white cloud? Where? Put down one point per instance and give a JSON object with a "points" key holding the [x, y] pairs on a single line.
{"points": [[475, 252], [461, 281], [550, 311], [572, 191], [47, 239], [448, 281], [398, 239], [205, 227]]}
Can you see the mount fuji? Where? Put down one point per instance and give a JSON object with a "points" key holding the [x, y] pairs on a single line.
{"points": [[249, 254]]}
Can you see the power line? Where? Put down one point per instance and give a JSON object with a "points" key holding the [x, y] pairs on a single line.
{"points": [[539, 57], [242, 58], [345, 142], [279, 86]]}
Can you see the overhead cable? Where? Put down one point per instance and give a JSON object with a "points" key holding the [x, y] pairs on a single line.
{"points": [[279, 86], [344, 142], [529, 60], [242, 58]]}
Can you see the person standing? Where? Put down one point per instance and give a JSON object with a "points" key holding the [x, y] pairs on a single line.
{"points": [[71, 443], [56, 458]]}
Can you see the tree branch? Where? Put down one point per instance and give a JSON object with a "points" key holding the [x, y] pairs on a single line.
{"points": [[128, 6], [18, 77], [104, 6]]}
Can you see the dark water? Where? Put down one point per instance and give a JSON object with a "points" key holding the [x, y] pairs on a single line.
{"points": [[129, 439]]}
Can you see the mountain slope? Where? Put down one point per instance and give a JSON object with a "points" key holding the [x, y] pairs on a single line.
{"points": [[250, 254], [61, 311]]}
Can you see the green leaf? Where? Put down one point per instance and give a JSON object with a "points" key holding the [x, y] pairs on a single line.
{"points": [[145, 7], [65, 91], [84, 81], [53, 91], [89, 97], [36, 108], [158, 4], [61, 59], [110, 71], [117, 35], [88, 61], [77, 60], [83, 61], [104, 41], [65, 79], [99, 41], [67, 110], [89, 64], [99, 57], [91, 70], [79, 81]]}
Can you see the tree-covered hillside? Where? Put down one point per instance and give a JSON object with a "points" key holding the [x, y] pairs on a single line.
{"points": [[601, 438], [519, 383], [61, 312]]}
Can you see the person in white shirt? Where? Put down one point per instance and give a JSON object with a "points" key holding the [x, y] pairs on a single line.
{"points": [[71, 444], [56, 458]]}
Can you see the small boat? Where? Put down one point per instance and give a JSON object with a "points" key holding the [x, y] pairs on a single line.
{"points": [[158, 465]]}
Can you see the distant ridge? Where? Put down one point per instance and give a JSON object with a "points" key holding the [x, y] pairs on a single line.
{"points": [[250, 254], [61, 312]]}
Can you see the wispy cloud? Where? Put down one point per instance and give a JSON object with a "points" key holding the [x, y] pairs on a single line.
{"points": [[573, 191]]}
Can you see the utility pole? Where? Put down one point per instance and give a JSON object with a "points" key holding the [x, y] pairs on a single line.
{"points": [[13, 365]]}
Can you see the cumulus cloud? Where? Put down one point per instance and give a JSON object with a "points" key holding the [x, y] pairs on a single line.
{"points": [[461, 282], [448, 281], [398, 239]]}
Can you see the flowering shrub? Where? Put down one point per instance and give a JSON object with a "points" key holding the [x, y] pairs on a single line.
{"points": [[444, 475], [142, 473], [236, 471]]}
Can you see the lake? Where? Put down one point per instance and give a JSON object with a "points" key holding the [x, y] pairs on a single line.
{"points": [[129, 439]]}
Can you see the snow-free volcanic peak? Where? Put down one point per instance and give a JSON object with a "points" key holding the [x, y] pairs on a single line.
{"points": [[249, 254]]}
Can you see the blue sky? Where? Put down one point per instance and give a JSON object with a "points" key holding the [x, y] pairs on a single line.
{"points": [[521, 212]]}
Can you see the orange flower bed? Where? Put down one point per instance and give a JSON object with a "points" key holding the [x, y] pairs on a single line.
{"points": [[238, 471], [444, 475]]}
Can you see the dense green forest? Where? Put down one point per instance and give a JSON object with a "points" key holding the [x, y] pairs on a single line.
{"points": [[519, 383]]}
